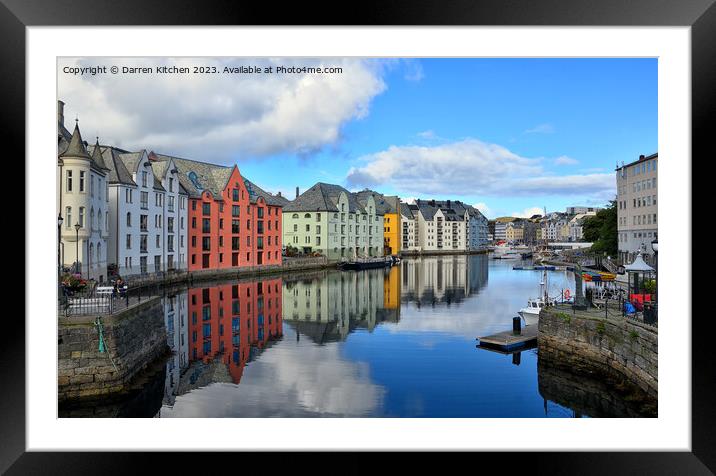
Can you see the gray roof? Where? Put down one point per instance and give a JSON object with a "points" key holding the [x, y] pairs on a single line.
{"points": [[131, 160], [196, 177], [405, 210], [118, 172], [324, 197], [382, 206], [97, 157], [76, 147]]}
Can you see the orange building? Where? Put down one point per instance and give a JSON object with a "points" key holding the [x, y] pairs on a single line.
{"points": [[232, 321], [232, 222]]}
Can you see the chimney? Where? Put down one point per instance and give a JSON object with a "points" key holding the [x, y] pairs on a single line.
{"points": [[641, 157], [296, 192], [279, 194], [448, 203], [60, 112]]}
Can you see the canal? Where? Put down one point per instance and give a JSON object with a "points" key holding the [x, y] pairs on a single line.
{"points": [[399, 342]]}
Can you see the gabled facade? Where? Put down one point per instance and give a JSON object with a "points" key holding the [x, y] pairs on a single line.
{"points": [[333, 221], [82, 200], [138, 214], [231, 222]]}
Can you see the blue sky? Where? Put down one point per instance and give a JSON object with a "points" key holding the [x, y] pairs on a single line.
{"points": [[509, 134]]}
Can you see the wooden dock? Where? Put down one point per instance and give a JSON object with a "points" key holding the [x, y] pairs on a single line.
{"points": [[507, 341]]}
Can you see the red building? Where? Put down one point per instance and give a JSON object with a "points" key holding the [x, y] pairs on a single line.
{"points": [[232, 322], [231, 221]]}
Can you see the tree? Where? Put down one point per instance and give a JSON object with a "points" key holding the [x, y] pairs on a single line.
{"points": [[601, 230]]}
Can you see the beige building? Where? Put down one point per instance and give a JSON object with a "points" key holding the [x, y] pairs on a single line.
{"points": [[637, 212]]}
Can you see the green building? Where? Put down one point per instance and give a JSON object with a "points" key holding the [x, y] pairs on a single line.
{"points": [[333, 221]]}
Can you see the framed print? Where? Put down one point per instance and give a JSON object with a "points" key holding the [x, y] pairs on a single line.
{"points": [[430, 229]]}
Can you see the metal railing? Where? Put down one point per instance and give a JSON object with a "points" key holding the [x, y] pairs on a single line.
{"points": [[98, 304]]}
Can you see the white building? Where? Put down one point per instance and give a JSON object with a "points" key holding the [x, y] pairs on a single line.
{"points": [[575, 225], [145, 236], [81, 200], [176, 235], [430, 225], [636, 207]]}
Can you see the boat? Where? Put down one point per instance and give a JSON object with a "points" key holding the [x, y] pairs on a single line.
{"points": [[366, 263], [530, 314]]}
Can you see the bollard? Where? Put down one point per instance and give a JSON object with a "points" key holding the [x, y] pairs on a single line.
{"points": [[516, 326]]}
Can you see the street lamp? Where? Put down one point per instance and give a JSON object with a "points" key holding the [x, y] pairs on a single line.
{"points": [[59, 263], [77, 247], [655, 249]]}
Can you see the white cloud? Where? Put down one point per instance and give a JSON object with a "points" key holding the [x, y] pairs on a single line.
{"points": [[541, 129], [221, 117], [564, 160], [413, 70], [430, 134], [471, 167], [484, 209], [528, 212]]}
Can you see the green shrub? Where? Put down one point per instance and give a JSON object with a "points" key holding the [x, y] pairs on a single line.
{"points": [[565, 317], [601, 328], [633, 335]]}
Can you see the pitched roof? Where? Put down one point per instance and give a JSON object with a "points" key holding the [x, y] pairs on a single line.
{"points": [[118, 172], [76, 147], [322, 197], [382, 204], [405, 210], [97, 159]]}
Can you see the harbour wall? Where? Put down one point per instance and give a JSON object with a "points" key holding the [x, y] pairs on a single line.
{"points": [[585, 342], [133, 339], [189, 277]]}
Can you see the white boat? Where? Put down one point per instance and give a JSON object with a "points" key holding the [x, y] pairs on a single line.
{"points": [[530, 314]]}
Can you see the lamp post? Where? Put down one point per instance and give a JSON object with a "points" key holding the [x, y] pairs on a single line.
{"points": [[77, 247], [655, 248], [59, 263]]}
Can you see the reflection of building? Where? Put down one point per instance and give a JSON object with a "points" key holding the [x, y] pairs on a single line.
{"points": [[448, 279], [175, 319], [228, 323], [328, 305]]}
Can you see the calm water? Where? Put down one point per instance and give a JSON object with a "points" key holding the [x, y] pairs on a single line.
{"points": [[378, 343]]}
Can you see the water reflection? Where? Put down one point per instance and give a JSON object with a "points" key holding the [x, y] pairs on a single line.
{"points": [[396, 342]]}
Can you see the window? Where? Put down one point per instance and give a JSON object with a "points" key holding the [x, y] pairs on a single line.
{"points": [[234, 226], [170, 204], [82, 217], [143, 245], [170, 225], [143, 222], [129, 219], [295, 215], [206, 243], [129, 241], [206, 225], [206, 208], [69, 180], [235, 194], [68, 217], [91, 185], [144, 200], [158, 245], [235, 209], [171, 184], [82, 181], [144, 179], [260, 212]]}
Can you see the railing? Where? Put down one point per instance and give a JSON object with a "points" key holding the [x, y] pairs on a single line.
{"points": [[97, 304]]}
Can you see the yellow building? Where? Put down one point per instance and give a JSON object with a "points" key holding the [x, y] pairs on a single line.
{"points": [[390, 208], [514, 232]]}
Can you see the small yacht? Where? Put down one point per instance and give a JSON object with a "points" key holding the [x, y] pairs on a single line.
{"points": [[530, 314]]}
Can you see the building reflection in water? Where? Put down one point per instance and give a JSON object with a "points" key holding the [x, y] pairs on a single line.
{"points": [[591, 396], [327, 305], [450, 279], [214, 331]]}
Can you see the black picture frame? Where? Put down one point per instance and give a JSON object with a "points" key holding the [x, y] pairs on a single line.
{"points": [[700, 15]]}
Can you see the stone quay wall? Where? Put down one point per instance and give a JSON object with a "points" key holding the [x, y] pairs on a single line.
{"points": [[134, 338], [181, 277], [585, 342]]}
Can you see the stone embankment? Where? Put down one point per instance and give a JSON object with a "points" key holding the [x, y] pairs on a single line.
{"points": [[585, 342], [133, 339]]}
